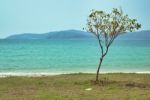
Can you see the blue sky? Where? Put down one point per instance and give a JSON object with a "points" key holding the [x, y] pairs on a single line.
{"points": [[39, 16]]}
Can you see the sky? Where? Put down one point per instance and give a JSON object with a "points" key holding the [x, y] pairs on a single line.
{"points": [[40, 16]]}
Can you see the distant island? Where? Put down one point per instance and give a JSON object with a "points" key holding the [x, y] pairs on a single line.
{"points": [[77, 34], [68, 34]]}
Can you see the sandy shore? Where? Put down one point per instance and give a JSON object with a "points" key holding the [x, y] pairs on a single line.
{"points": [[39, 74]]}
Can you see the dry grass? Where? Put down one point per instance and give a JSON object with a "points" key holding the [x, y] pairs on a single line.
{"points": [[72, 87]]}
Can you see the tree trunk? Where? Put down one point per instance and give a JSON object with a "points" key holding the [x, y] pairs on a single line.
{"points": [[99, 66]]}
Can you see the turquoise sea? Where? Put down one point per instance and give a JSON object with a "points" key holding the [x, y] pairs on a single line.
{"points": [[71, 56]]}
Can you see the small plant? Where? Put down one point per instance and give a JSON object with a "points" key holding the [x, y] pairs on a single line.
{"points": [[107, 26]]}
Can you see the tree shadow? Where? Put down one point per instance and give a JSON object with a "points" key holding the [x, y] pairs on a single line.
{"points": [[106, 82]]}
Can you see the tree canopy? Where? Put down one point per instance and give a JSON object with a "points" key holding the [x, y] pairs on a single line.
{"points": [[107, 26]]}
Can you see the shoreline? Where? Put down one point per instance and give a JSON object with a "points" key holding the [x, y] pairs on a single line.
{"points": [[40, 74]]}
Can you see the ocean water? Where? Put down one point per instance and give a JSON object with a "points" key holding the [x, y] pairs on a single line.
{"points": [[72, 56]]}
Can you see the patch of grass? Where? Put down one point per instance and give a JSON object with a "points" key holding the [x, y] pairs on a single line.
{"points": [[73, 87]]}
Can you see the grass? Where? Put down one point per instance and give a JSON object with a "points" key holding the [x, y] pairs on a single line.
{"points": [[73, 87]]}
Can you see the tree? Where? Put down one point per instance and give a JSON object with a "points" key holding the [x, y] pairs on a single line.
{"points": [[107, 26]]}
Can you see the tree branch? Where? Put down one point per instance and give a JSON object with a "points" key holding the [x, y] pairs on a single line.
{"points": [[100, 44]]}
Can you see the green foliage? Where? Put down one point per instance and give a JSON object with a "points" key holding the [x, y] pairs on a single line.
{"points": [[100, 22], [108, 26]]}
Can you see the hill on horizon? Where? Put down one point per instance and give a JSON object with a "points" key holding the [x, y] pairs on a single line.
{"points": [[67, 34], [76, 34]]}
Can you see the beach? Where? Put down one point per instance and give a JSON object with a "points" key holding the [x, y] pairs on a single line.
{"points": [[40, 74], [118, 86], [74, 50], [65, 70]]}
